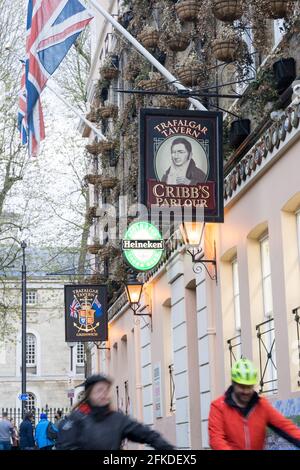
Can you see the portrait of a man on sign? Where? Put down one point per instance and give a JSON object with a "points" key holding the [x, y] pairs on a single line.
{"points": [[181, 160]]}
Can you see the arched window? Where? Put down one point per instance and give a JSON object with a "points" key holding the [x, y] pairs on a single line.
{"points": [[31, 402], [30, 350]]}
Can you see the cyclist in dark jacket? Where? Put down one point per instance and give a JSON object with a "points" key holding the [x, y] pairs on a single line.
{"points": [[26, 433], [93, 425]]}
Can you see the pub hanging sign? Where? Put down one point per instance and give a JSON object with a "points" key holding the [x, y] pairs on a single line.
{"points": [[181, 161], [86, 313]]}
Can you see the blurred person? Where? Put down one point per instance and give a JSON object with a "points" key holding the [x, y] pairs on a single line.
{"points": [[42, 440], [94, 425], [238, 420], [6, 432], [26, 433], [15, 436], [58, 418]]}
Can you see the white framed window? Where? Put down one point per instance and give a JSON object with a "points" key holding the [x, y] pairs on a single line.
{"points": [[106, 44], [266, 276], [298, 229], [269, 335], [113, 96], [31, 402], [31, 297], [80, 354], [30, 350], [249, 71], [236, 295], [278, 31]]}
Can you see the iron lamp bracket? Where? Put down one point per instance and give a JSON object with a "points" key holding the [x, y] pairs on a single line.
{"points": [[98, 346], [199, 263], [137, 312]]}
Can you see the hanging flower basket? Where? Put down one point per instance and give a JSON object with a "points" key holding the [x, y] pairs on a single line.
{"points": [[150, 84], [226, 50], [108, 182], [93, 148], [189, 74], [94, 249], [277, 9], [93, 116], [176, 102], [106, 146], [93, 179], [188, 10], [109, 111], [228, 10], [108, 251], [149, 37], [179, 42], [131, 72], [109, 73]]}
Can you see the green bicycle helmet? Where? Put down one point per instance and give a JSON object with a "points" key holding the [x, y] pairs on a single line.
{"points": [[244, 372]]}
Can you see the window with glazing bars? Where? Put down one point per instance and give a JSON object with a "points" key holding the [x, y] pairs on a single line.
{"points": [[80, 354], [30, 350], [31, 402], [266, 276], [31, 297]]}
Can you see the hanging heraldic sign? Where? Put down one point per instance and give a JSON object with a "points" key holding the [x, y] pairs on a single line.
{"points": [[86, 313], [181, 161]]}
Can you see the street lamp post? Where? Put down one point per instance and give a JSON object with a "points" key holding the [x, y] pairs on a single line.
{"points": [[23, 246], [71, 346]]}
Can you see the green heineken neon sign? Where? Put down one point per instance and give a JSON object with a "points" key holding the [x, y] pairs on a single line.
{"points": [[142, 246]]}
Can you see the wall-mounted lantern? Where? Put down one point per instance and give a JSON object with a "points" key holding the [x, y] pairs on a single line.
{"points": [[192, 234], [134, 289]]}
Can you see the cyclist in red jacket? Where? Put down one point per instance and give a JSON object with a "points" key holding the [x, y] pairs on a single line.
{"points": [[238, 419]]}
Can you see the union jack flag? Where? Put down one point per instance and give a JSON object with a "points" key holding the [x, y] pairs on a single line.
{"points": [[52, 28], [73, 308]]}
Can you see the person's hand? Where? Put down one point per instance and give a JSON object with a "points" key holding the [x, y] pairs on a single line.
{"points": [[182, 180]]}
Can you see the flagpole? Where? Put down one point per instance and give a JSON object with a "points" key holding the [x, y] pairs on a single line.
{"points": [[171, 78], [86, 121]]}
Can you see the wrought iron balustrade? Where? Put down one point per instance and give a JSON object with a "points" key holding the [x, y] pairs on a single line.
{"points": [[127, 399], [172, 388], [234, 346], [267, 361], [296, 312]]}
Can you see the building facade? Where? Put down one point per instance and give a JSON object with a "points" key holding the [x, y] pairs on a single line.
{"points": [[169, 366]]}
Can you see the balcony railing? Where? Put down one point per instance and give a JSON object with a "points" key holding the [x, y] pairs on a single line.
{"points": [[234, 346], [267, 362], [296, 312], [127, 399], [118, 397], [172, 388]]}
